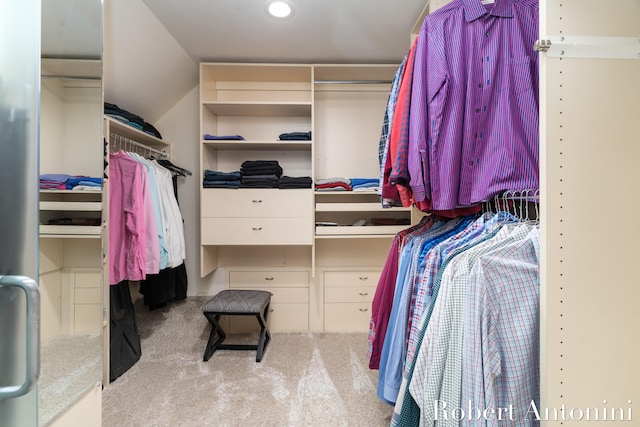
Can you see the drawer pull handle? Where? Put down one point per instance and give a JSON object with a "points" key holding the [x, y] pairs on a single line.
{"points": [[364, 310], [257, 201], [268, 278], [256, 228], [364, 278], [364, 294]]}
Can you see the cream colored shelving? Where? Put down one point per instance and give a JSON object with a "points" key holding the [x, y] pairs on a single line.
{"points": [[258, 102], [271, 232]]}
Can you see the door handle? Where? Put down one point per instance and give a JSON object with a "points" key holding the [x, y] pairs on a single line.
{"points": [[32, 371]]}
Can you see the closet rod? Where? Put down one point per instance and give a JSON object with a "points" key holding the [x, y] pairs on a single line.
{"points": [[67, 77], [121, 139], [352, 82]]}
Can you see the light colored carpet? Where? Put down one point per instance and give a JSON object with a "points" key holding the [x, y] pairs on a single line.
{"points": [[304, 379], [69, 366]]}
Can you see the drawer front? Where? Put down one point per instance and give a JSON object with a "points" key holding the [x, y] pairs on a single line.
{"points": [[285, 295], [283, 317], [268, 279], [347, 317], [360, 294], [88, 279], [352, 278], [87, 319], [256, 203], [88, 296], [256, 231], [289, 317]]}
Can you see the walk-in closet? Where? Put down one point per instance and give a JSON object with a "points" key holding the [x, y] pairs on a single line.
{"points": [[442, 238]]}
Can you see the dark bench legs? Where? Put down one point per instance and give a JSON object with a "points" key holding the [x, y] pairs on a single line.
{"points": [[217, 335]]}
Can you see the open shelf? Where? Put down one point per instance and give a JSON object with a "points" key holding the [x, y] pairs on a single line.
{"points": [[258, 145], [242, 108]]}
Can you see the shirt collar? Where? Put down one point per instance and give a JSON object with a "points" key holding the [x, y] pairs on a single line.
{"points": [[473, 9]]}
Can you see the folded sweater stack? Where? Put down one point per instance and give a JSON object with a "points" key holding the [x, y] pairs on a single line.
{"points": [[333, 184], [217, 179], [260, 174], [133, 120]]}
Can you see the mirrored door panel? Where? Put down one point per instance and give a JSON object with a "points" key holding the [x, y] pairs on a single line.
{"points": [[70, 229]]}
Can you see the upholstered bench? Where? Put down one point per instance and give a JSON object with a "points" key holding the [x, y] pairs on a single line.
{"points": [[237, 302]]}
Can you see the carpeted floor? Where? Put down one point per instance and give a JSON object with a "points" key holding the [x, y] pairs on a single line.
{"points": [[69, 366], [304, 379]]}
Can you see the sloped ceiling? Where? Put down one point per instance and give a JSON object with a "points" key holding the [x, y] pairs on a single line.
{"points": [[153, 47], [320, 31]]}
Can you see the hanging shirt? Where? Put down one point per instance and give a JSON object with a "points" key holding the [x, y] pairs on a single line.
{"points": [[383, 298], [433, 262], [174, 226], [406, 412], [501, 343], [438, 365], [393, 355], [474, 104], [155, 198], [129, 231]]}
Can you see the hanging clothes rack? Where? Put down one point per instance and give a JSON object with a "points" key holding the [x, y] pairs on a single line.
{"points": [[525, 204], [123, 143]]}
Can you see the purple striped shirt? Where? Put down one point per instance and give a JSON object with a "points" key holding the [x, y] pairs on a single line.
{"points": [[474, 103]]}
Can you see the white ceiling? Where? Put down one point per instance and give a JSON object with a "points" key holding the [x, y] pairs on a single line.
{"points": [[153, 44], [320, 31]]}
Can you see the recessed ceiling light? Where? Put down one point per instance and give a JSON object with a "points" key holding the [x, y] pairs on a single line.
{"points": [[279, 9]]}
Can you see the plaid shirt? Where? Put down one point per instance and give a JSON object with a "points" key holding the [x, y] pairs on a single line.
{"points": [[500, 341], [383, 144], [406, 412], [394, 346], [433, 262], [438, 372]]}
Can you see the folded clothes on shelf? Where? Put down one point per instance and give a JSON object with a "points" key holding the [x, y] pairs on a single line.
{"points": [[295, 136], [209, 137]]}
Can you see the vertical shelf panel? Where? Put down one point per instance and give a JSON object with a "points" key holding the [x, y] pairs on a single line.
{"points": [[589, 110]]}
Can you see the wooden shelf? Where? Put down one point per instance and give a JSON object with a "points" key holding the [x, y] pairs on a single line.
{"points": [[356, 207], [341, 231], [71, 206], [258, 145], [80, 192], [123, 129], [240, 108], [347, 193], [71, 231]]}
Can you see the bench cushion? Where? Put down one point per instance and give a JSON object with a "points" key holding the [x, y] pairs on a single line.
{"points": [[238, 301]]}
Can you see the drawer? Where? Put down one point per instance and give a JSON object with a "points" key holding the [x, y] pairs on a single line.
{"points": [[256, 203], [289, 317], [87, 318], [268, 279], [87, 279], [88, 296], [285, 295], [256, 231], [282, 318], [349, 294], [347, 317], [352, 278]]}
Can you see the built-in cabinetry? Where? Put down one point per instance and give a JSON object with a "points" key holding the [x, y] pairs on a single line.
{"points": [[73, 224], [278, 239], [349, 106]]}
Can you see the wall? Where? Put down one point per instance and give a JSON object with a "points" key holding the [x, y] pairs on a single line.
{"points": [[152, 76], [146, 71], [180, 126]]}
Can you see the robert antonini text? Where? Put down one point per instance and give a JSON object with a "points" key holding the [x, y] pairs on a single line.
{"points": [[443, 412]]}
